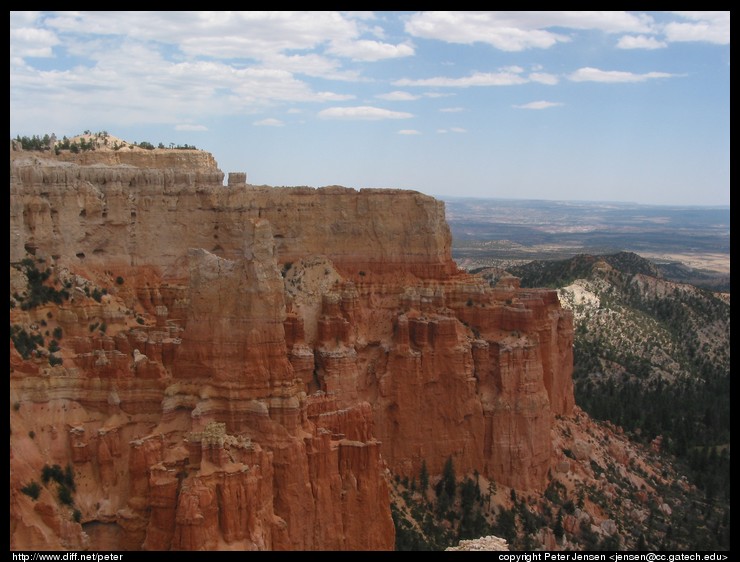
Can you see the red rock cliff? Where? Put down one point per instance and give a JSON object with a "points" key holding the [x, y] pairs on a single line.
{"points": [[244, 366]]}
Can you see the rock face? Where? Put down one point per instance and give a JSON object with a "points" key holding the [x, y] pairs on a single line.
{"points": [[489, 543], [257, 361]]}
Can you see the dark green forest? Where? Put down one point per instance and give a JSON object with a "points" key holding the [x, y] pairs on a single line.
{"points": [[689, 405]]}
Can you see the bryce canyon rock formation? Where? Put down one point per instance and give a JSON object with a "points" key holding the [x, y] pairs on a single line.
{"points": [[270, 357]]}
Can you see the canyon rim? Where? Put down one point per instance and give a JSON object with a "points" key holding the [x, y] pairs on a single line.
{"points": [[242, 367]]}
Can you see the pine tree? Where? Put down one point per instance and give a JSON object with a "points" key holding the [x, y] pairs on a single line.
{"points": [[423, 476], [558, 529], [448, 477]]}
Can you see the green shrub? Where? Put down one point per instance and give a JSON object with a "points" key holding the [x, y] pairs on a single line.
{"points": [[24, 342], [65, 495], [38, 292], [69, 478], [32, 490], [54, 472]]}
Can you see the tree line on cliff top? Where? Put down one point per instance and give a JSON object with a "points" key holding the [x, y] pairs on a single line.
{"points": [[88, 141]]}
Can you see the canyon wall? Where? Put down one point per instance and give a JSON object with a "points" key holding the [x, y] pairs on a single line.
{"points": [[244, 367]]}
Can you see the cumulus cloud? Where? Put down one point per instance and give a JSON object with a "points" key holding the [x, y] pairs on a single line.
{"points": [[640, 42], [517, 31], [711, 27], [588, 74], [183, 67], [20, 18], [606, 21], [310, 65], [146, 66], [538, 105], [269, 122], [476, 79], [32, 42], [216, 34], [308, 42], [398, 96], [408, 132], [368, 50], [494, 28], [362, 113], [143, 87]]}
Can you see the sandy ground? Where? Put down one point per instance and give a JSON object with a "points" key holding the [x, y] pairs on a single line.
{"points": [[713, 262]]}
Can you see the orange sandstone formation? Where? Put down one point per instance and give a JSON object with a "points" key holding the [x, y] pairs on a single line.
{"points": [[269, 357]]}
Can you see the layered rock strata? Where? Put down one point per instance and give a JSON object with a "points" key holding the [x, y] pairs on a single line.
{"points": [[269, 357]]}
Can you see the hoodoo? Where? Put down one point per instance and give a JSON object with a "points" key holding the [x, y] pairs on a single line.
{"points": [[232, 366]]}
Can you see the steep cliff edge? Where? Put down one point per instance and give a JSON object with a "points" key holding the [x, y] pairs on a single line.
{"points": [[242, 367]]}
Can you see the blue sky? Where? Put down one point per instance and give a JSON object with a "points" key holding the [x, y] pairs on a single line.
{"points": [[596, 106]]}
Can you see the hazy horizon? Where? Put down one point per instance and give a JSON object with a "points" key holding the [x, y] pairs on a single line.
{"points": [[578, 201], [628, 107]]}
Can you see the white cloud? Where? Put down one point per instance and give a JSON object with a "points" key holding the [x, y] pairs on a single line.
{"points": [[606, 21], [640, 42], [216, 34], [588, 74], [408, 132], [187, 127], [538, 105], [543, 78], [19, 18], [144, 87], [360, 15], [494, 28], [269, 122], [476, 79], [367, 50], [362, 113], [241, 35], [398, 96], [712, 27], [185, 68], [520, 30], [32, 42], [310, 65]]}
